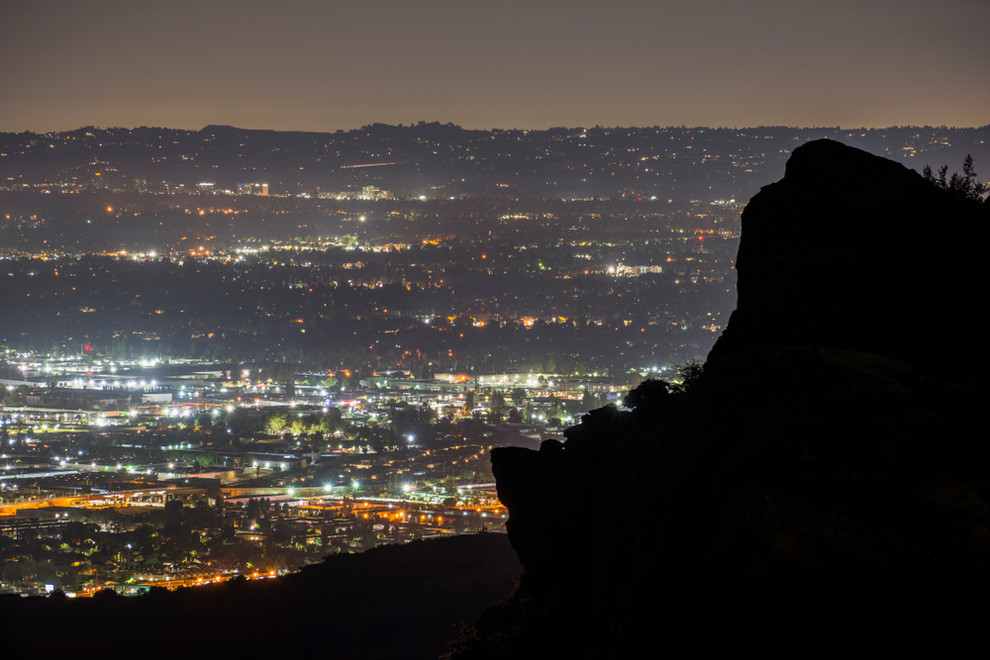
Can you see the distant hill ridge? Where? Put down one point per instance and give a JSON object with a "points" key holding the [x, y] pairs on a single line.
{"points": [[444, 160]]}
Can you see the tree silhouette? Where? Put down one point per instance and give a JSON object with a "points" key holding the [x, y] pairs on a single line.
{"points": [[964, 185], [650, 394]]}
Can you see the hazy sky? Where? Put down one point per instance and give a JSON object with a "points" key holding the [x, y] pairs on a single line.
{"points": [[324, 65]]}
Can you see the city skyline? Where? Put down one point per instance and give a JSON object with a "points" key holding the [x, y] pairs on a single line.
{"points": [[480, 65]]}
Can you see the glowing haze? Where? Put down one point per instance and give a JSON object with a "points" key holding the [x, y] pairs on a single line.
{"points": [[319, 65]]}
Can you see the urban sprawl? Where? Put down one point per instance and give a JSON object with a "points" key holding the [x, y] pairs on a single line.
{"points": [[229, 353]]}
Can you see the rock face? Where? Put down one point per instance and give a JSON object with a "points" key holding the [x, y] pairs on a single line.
{"points": [[823, 489], [850, 250]]}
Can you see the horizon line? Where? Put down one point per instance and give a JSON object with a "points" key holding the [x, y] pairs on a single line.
{"points": [[490, 129]]}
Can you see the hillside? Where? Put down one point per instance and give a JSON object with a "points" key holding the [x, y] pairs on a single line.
{"points": [[392, 602]]}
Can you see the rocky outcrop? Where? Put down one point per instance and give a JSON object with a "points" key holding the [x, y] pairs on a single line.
{"points": [[823, 489], [850, 250]]}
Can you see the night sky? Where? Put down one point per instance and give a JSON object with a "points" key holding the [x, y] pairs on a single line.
{"points": [[332, 64]]}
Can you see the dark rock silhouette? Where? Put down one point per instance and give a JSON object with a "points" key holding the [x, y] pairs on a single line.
{"points": [[823, 489], [850, 250]]}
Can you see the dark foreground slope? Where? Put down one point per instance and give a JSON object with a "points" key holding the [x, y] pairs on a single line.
{"points": [[822, 490], [392, 602]]}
